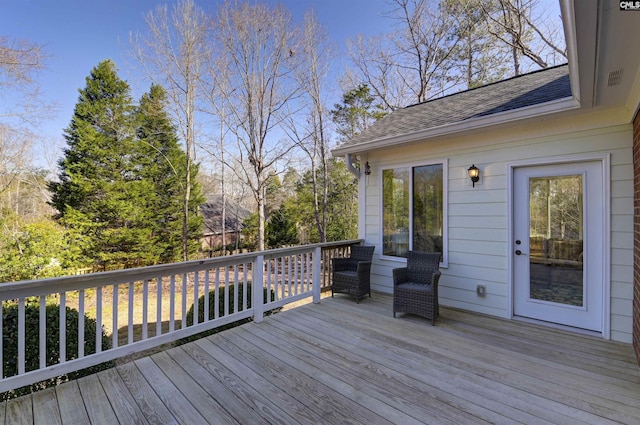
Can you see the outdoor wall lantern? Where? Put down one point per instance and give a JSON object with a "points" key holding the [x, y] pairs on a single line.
{"points": [[474, 174], [367, 168]]}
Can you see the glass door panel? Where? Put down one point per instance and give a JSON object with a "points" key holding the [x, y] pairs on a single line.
{"points": [[556, 240]]}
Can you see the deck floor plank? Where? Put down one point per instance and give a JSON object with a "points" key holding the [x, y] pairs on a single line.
{"points": [[20, 411], [45, 408], [342, 362], [72, 409], [315, 395], [147, 400], [206, 405], [179, 406], [124, 406], [94, 401], [236, 406], [278, 405]]}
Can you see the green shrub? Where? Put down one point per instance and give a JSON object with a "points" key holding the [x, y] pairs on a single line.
{"points": [[220, 306], [32, 342]]}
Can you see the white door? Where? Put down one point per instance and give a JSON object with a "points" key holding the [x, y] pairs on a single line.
{"points": [[558, 236]]}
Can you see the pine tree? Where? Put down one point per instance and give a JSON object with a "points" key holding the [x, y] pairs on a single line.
{"points": [[100, 192], [163, 163]]}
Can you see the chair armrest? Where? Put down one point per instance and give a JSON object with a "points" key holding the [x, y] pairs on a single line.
{"points": [[399, 275], [435, 278], [364, 268], [342, 264]]}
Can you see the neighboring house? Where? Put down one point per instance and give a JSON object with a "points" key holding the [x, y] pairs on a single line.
{"points": [[548, 229], [235, 215]]}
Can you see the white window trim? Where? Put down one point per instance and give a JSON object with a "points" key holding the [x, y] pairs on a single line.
{"points": [[445, 207]]}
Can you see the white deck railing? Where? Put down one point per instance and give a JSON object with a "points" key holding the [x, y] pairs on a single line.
{"points": [[146, 307]]}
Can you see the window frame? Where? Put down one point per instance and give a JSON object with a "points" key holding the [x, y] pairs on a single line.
{"points": [[445, 206]]}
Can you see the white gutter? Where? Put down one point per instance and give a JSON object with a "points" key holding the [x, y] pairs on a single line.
{"points": [[555, 106]]}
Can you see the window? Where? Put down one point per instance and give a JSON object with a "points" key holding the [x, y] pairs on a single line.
{"points": [[413, 203]]}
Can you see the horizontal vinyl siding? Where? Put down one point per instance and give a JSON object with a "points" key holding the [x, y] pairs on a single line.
{"points": [[477, 217]]}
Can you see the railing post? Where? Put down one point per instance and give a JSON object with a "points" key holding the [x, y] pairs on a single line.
{"points": [[316, 275], [257, 291]]}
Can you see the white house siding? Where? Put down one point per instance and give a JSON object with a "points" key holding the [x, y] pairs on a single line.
{"points": [[478, 217]]}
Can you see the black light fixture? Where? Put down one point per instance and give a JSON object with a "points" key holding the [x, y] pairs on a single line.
{"points": [[474, 174], [367, 168]]}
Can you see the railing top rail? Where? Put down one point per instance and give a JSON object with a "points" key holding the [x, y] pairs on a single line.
{"points": [[70, 283]]}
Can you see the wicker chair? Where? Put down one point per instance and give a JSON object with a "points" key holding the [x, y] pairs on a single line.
{"points": [[352, 275], [415, 287]]}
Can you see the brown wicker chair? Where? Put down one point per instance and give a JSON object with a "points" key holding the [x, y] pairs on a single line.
{"points": [[351, 275], [415, 287]]}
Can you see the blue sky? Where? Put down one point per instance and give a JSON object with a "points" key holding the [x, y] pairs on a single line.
{"points": [[81, 33]]}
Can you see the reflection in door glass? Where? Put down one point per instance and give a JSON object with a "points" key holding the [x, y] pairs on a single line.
{"points": [[556, 239]]}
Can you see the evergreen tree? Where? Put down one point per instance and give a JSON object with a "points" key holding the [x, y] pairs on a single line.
{"points": [[342, 205], [163, 163], [100, 192], [357, 111], [281, 229]]}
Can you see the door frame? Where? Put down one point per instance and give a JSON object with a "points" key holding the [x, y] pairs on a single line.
{"points": [[605, 160]]}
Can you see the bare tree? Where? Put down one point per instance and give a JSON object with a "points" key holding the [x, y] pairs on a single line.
{"points": [[173, 53], [257, 44], [513, 23], [20, 63], [410, 65], [479, 58], [22, 187], [312, 136]]}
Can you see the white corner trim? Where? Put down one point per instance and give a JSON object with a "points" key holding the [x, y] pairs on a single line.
{"points": [[571, 40]]}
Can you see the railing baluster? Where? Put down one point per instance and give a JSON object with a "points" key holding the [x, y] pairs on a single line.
{"points": [[308, 270], [244, 286], [42, 332], [99, 319], [81, 324], [159, 306], [276, 277], [183, 324], [114, 316], [269, 281], [196, 284], [236, 300], [63, 327], [216, 309], [226, 291], [317, 264], [145, 309], [172, 303], [290, 275], [206, 295], [299, 277], [21, 336], [130, 321], [256, 293]]}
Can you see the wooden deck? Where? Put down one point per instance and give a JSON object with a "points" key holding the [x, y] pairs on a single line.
{"points": [[341, 362]]}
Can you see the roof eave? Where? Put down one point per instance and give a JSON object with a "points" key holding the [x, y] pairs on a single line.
{"points": [[556, 106]]}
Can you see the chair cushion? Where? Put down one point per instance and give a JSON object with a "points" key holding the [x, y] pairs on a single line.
{"points": [[412, 286], [347, 273]]}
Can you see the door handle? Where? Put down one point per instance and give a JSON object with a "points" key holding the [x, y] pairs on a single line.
{"points": [[518, 252]]}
